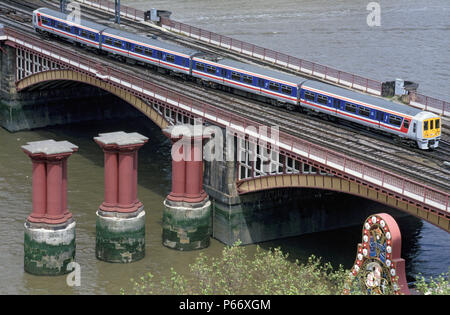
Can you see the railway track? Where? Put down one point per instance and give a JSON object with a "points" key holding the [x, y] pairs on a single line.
{"points": [[419, 165]]}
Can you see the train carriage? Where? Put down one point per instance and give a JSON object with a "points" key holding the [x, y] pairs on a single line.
{"points": [[401, 120], [423, 128], [147, 50], [48, 21], [250, 78]]}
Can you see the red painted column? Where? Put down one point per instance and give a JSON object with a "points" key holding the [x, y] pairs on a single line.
{"points": [[49, 159], [126, 179], [194, 173], [111, 179], [39, 189], [178, 173], [64, 209], [54, 189], [135, 176], [187, 171], [121, 170]]}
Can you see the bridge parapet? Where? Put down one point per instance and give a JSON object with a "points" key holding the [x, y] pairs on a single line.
{"points": [[332, 162]]}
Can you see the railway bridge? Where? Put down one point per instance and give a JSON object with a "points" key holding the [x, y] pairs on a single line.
{"points": [[249, 195]]}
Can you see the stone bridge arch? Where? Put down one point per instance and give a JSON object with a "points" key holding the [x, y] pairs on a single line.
{"points": [[70, 75], [338, 184]]}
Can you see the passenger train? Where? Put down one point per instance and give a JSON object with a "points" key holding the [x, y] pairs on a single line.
{"points": [[410, 124]]}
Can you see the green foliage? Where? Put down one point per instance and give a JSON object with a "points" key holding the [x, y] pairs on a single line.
{"points": [[439, 286], [266, 272]]}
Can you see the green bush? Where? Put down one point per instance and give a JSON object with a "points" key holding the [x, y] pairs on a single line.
{"points": [[439, 286], [267, 272]]}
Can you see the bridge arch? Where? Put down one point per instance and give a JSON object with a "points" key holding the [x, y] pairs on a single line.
{"points": [[70, 75], [343, 185]]}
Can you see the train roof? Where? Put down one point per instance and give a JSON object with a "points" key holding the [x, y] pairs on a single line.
{"points": [[276, 75], [63, 16], [371, 100], [151, 41]]}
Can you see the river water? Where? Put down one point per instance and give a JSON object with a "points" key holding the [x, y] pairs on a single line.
{"points": [[412, 42]]}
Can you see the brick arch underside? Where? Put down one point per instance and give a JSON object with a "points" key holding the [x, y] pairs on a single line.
{"points": [[341, 185], [69, 75]]}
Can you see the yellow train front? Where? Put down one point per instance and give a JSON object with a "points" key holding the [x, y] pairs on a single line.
{"points": [[428, 130]]}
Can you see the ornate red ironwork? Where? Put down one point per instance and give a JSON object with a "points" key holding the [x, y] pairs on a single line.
{"points": [[378, 267]]}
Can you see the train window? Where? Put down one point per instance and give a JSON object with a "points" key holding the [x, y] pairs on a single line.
{"points": [[170, 58], [236, 76], [60, 26], [406, 124], [349, 107], [84, 33], [363, 111], [414, 127], [394, 120], [44, 21], [310, 96], [200, 66], [425, 125], [108, 41], [211, 69], [286, 89], [159, 54], [322, 99], [247, 79], [92, 36], [118, 43], [431, 124], [336, 103], [67, 28], [138, 49], [148, 52], [274, 86], [436, 122]]}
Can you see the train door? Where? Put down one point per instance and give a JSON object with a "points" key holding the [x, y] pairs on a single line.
{"points": [[261, 83]]}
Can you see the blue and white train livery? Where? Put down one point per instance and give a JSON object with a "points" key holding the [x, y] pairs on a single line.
{"points": [[414, 125]]}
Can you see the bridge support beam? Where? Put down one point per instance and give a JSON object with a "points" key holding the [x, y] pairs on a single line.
{"points": [[49, 243], [120, 227], [187, 209]]}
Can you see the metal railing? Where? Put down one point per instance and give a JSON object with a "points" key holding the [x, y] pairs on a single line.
{"points": [[407, 189], [109, 6], [429, 104]]}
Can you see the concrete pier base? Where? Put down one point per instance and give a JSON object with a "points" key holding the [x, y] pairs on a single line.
{"points": [[49, 248], [120, 237], [186, 226]]}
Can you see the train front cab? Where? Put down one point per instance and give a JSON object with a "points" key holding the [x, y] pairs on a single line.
{"points": [[431, 133]]}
